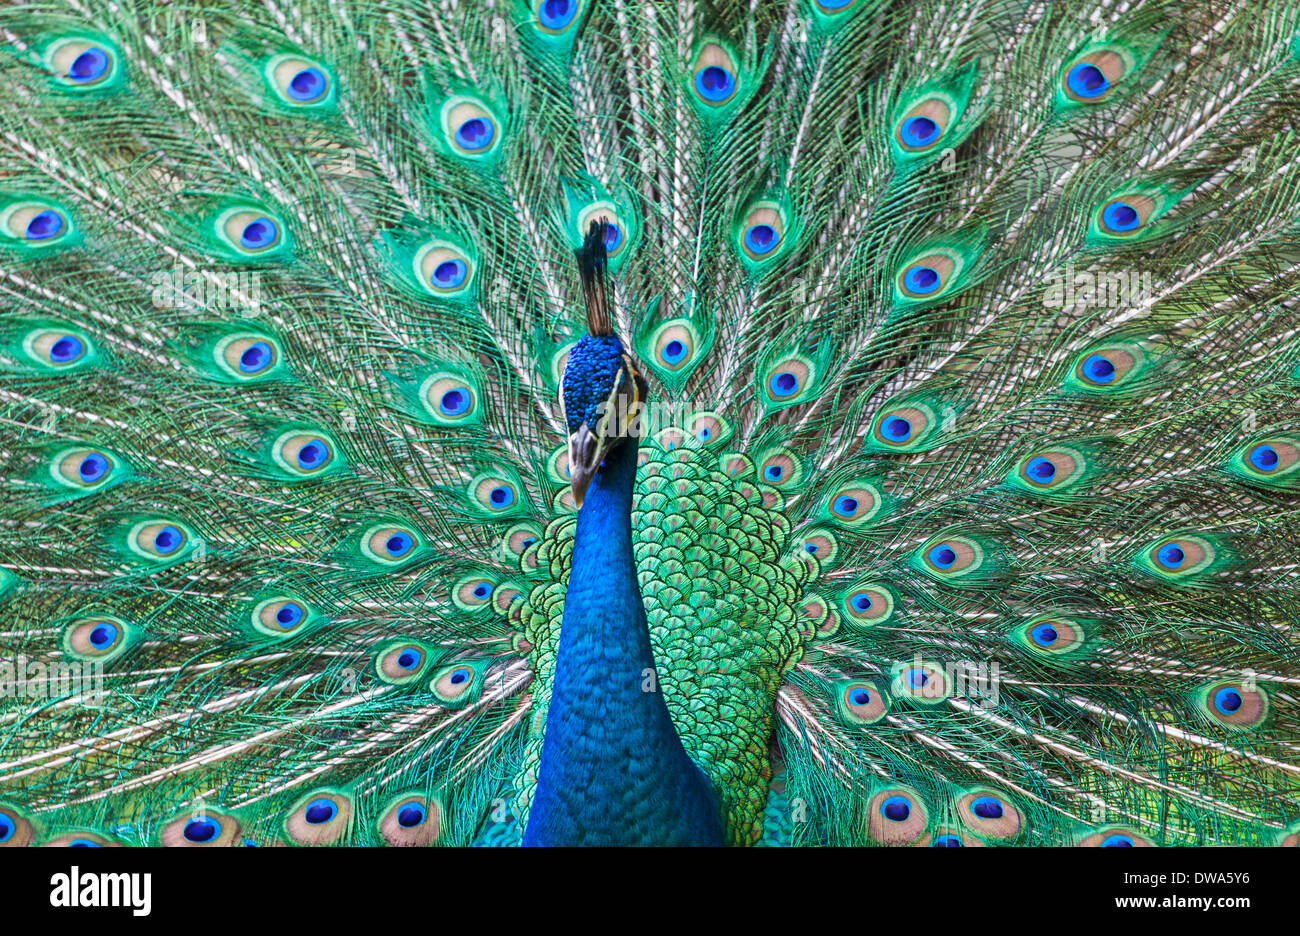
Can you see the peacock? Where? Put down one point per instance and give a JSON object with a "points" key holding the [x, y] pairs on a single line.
{"points": [[650, 422]]}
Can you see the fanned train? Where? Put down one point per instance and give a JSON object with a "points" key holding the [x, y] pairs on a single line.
{"points": [[896, 402]]}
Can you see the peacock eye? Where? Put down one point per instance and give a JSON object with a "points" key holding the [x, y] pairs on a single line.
{"points": [[390, 545], [454, 684], [279, 617], [35, 222], [1234, 705], [471, 129], [556, 15], [443, 268], [303, 453], [247, 357], [398, 664], [83, 468], [715, 75], [298, 81], [923, 125], [81, 63], [96, 638], [1179, 556], [896, 816], [1123, 217], [250, 231], [159, 540], [1090, 78], [473, 592], [902, 427], [926, 277]]}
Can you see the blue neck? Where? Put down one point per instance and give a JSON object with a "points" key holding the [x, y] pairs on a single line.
{"points": [[613, 770]]}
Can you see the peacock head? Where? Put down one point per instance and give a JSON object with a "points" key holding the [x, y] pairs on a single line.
{"points": [[602, 391]]}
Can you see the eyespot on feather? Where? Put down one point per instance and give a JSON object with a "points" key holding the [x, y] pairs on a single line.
{"points": [[300, 82], [280, 616], [990, 813], [401, 663], [248, 356], [868, 605], [322, 817], [1116, 836], [715, 74], [896, 816], [206, 829], [411, 820], [57, 348], [861, 703]]}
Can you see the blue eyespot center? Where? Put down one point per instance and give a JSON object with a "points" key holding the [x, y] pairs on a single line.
{"points": [[861, 601], [1098, 369], [613, 237], [7, 827], [1086, 80], [673, 352], [103, 635], [449, 274], [455, 402], [459, 676], [411, 815], [501, 496], [896, 808], [761, 238], [715, 84], [398, 545], [313, 455], [917, 678], [896, 429], [482, 590], [845, 506], [811, 547], [1227, 701], [1170, 555], [921, 280], [307, 85], [44, 225], [859, 697], [946, 841], [783, 384], [1264, 457], [1040, 470], [93, 467], [89, 65], [943, 556], [1117, 841], [68, 348], [408, 659], [83, 843], [320, 811], [556, 14], [475, 133], [773, 472], [256, 357], [1045, 635], [167, 540], [919, 131], [289, 615], [1120, 216], [200, 831], [258, 234], [986, 807]]}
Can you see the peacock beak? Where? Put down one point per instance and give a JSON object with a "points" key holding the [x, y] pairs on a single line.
{"points": [[584, 459]]}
